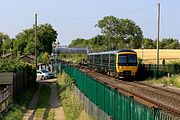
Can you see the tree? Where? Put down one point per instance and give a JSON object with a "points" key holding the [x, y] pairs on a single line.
{"points": [[96, 43], [3, 38], [7, 45], [79, 42], [46, 57], [25, 41], [169, 43], [148, 43], [123, 31]]}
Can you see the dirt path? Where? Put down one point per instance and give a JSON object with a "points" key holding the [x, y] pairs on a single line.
{"points": [[54, 102], [29, 115]]}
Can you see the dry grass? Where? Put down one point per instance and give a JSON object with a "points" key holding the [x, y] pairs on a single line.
{"points": [[83, 116], [172, 81], [149, 55]]}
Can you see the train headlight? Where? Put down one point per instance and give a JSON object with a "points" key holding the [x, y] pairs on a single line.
{"points": [[120, 67]]}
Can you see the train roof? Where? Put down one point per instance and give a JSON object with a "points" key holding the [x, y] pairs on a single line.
{"points": [[112, 52]]}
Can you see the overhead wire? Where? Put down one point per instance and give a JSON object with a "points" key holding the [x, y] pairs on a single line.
{"points": [[95, 17]]}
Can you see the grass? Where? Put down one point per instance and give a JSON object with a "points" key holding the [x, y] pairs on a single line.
{"points": [[20, 105], [72, 107], [73, 57], [43, 105], [51, 115], [172, 81]]}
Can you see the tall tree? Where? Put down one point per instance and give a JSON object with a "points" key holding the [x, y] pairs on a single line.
{"points": [[25, 41], [123, 31]]}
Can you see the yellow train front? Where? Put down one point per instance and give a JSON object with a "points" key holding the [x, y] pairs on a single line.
{"points": [[120, 63]]}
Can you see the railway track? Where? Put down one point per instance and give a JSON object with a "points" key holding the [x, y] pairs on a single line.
{"points": [[166, 99]]}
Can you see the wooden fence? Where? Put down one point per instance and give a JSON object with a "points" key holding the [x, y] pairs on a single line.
{"points": [[12, 84], [6, 97]]}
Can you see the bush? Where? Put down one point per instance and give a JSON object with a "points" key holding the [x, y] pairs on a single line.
{"points": [[173, 68], [18, 66], [20, 105], [71, 106]]}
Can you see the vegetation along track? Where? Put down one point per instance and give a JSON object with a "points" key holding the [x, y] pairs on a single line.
{"points": [[167, 100]]}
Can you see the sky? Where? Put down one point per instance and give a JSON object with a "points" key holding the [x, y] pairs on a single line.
{"points": [[77, 18]]}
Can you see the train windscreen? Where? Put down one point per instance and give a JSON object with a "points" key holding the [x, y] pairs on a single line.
{"points": [[127, 60]]}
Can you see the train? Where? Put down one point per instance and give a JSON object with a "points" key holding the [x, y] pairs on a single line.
{"points": [[118, 63]]}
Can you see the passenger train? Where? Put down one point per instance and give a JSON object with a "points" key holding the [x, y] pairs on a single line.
{"points": [[119, 63]]}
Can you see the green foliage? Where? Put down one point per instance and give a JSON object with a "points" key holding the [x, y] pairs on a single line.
{"points": [[20, 105], [173, 68], [169, 43], [73, 57], [172, 81], [43, 104], [148, 44], [140, 61], [117, 33], [46, 58], [3, 38], [71, 106], [79, 42], [16, 66], [123, 31], [7, 45], [25, 41], [97, 43]]}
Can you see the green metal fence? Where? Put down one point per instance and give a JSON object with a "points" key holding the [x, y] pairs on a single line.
{"points": [[115, 104]]}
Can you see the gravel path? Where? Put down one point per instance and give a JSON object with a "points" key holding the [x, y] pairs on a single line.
{"points": [[54, 102]]}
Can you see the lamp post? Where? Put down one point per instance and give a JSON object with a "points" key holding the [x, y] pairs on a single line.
{"points": [[54, 44]]}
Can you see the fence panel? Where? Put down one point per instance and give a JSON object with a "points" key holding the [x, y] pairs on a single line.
{"points": [[109, 101], [100, 99], [93, 90], [6, 97], [115, 105]]}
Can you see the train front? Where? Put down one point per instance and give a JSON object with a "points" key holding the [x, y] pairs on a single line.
{"points": [[126, 64]]}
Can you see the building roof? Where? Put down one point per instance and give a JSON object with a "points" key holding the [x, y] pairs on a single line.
{"points": [[112, 52]]}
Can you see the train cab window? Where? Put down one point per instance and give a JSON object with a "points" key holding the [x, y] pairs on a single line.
{"points": [[127, 59], [132, 58], [122, 59]]}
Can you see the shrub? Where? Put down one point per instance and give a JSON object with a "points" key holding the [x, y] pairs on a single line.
{"points": [[18, 66]]}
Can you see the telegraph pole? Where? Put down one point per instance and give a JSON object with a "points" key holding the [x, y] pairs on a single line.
{"points": [[158, 29], [36, 40]]}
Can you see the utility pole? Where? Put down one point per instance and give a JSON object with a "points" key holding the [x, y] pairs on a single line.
{"points": [[36, 40], [158, 29]]}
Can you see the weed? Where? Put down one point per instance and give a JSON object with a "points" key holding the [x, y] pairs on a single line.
{"points": [[20, 105], [43, 105], [71, 105]]}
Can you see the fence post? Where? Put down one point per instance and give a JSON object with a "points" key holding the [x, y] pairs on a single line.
{"points": [[156, 113]]}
